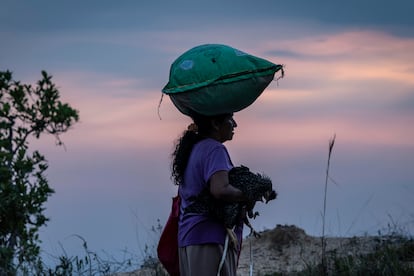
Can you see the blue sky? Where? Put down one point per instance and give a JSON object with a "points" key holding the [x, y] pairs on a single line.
{"points": [[349, 70]]}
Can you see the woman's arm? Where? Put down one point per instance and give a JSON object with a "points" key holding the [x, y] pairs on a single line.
{"points": [[221, 189]]}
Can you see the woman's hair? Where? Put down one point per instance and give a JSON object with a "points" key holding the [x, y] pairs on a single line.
{"points": [[199, 130]]}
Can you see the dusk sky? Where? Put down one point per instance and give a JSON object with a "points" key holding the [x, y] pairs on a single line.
{"points": [[349, 71]]}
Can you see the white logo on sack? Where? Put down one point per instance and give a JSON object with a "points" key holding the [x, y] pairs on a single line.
{"points": [[187, 64]]}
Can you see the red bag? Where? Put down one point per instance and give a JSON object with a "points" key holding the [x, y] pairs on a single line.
{"points": [[167, 249]]}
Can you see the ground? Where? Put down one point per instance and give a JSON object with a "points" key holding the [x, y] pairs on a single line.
{"points": [[287, 249]]}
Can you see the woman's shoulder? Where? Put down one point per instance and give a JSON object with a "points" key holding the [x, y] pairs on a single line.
{"points": [[209, 148], [209, 144]]}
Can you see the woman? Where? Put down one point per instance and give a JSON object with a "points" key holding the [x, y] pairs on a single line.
{"points": [[201, 161]]}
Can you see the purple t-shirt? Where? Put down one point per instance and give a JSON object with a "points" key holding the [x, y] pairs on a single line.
{"points": [[207, 157]]}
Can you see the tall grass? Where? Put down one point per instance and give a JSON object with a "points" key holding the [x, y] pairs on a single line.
{"points": [[323, 240], [88, 263], [393, 255]]}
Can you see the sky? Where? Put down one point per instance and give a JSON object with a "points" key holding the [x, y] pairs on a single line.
{"points": [[349, 72]]}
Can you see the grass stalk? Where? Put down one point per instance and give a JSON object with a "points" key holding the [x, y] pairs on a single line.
{"points": [[323, 239]]}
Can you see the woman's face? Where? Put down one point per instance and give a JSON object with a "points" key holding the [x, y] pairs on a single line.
{"points": [[226, 128]]}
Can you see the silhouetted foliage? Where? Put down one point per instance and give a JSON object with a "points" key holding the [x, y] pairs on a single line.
{"points": [[26, 111]]}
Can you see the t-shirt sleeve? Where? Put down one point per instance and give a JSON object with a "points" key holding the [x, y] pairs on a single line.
{"points": [[217, 160]]}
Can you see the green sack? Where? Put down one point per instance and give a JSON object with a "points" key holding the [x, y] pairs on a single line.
{"points": [[215, 79]]}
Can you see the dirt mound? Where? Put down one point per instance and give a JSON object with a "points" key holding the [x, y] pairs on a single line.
{"points": [[287, 249]]}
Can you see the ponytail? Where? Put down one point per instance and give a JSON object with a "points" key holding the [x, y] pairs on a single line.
{"points": [[197, 131], [182, 152]]}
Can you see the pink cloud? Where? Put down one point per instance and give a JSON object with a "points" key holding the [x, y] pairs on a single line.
{"points": [[116, 113], [338, 83], [353, 43], [350, 55]]}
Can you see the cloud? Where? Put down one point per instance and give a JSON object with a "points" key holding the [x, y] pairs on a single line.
{"points": [[385, 52], [343, 81], [80, 15], [115, 113]]}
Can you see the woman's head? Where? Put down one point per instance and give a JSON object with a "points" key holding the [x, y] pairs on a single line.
{"points": [[218, 127]]}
